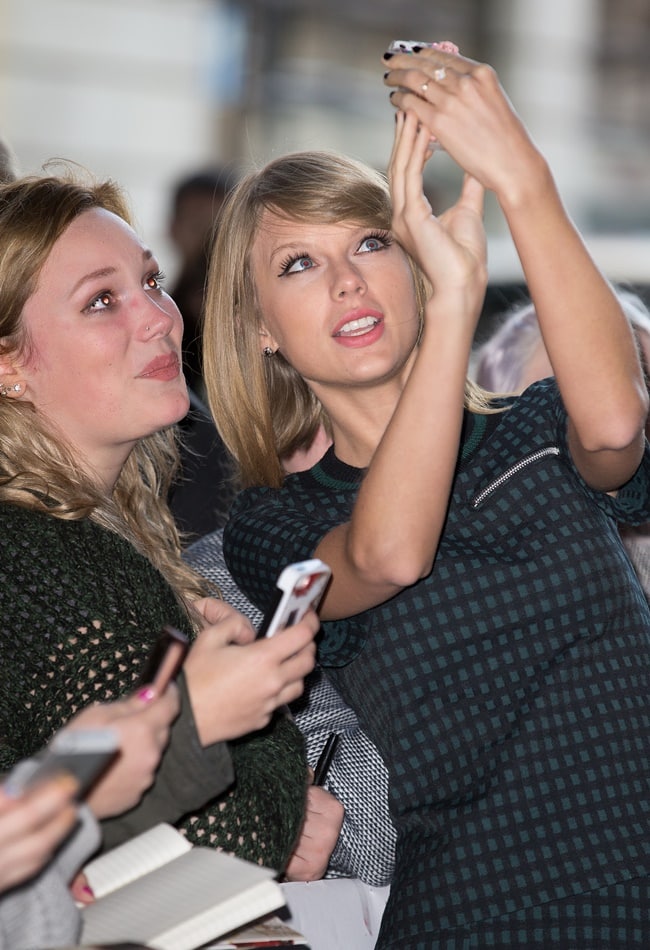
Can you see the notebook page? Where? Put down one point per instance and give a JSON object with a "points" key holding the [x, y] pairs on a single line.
{"points": [[197, 897], [135, 857]]}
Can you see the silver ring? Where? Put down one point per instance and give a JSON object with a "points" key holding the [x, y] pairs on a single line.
{"points": [[440, 74]]}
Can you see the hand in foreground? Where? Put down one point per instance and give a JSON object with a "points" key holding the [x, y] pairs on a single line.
{"points": [[463, 105], [319, 834], [236, 682], [33, 826], [143, 728]]}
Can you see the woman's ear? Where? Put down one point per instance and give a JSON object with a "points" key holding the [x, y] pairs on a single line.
{"points": [[267, 343], [12, 381]]}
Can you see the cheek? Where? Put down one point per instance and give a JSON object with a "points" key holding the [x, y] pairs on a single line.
{"points": [[279, 317]]}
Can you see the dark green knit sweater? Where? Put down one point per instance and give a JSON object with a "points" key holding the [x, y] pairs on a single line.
{"points": [[80, 608]]}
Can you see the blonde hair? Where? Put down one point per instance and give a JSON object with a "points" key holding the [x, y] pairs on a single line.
{"points": [[263, 408], [37, 468]]}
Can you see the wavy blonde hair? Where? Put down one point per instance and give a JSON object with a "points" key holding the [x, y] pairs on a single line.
{"points": [[38, 470], [263, 408]]}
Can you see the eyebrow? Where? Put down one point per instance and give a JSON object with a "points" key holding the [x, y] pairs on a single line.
{"points": [[147, 255], [283, 248]]}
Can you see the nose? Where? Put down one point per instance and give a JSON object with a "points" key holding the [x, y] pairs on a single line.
{"points": [[348, 281], [158, 320]]}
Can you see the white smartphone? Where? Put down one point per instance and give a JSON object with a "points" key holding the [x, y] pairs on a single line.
{"points": [[299, 587], [84, 753], [407, 46]]}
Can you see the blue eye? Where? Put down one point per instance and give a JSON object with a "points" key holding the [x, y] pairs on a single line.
{"points": [[377, 241], [296, 264]]}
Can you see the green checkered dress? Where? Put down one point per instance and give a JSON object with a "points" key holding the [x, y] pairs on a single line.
{"points": [[508, 692]]}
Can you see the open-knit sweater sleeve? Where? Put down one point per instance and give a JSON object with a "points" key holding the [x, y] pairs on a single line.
{"points": [[80, 609]]}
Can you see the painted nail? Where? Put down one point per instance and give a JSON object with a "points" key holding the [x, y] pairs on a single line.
{"points": [[146, 694], [416, 49], [386, 75], [388, 55]]}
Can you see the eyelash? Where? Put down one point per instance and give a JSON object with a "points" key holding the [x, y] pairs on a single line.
{"points": [[382, 236], [289, 261], [158, 277]]}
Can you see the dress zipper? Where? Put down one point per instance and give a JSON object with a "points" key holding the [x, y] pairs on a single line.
{"points": [[517, 467]]}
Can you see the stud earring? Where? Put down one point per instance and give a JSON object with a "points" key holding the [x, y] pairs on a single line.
{"points": [[268, 352], [5, 390]]}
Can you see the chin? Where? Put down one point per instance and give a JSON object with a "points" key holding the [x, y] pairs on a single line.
{"points": [[178, 409]]}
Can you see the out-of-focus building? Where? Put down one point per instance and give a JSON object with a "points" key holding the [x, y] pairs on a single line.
{"points": [[147, 90]]}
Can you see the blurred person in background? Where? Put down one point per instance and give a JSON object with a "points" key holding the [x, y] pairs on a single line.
{"points": [[202, 490], [515, 356]]}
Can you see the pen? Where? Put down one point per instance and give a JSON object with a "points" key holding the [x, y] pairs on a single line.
{"points": [[325, 758]]}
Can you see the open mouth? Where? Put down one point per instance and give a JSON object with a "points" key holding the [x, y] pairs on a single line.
{"points": [[357, 327]]}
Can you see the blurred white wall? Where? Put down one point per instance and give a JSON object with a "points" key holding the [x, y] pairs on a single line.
{"points": [[121, 87], [148, 90]]}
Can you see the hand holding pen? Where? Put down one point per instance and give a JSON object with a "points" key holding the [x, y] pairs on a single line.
{"points": [[321, 826], [325, 758]]}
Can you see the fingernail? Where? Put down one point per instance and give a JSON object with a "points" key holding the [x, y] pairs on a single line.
{"points": [[146, 694], [416, 49], [88, 890], [388, 55], [386, 75]]}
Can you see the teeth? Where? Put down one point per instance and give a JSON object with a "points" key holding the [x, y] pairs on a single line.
{"points": [[357, 326]]}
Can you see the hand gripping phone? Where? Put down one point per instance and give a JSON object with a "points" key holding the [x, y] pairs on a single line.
{"points": [[300, 586], [165, 659], [84, 753]]}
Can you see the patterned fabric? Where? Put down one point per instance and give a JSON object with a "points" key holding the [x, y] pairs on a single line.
{"points": [[508, 692], [80, 608], [637, 545], [611, 918], [357, 776]]}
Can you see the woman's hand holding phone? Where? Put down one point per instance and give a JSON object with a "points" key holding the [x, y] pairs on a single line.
{"points": [[143, 731], [236, 682], [33, 825]]}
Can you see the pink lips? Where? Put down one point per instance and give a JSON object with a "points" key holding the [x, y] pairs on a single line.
{"points": [[359, 328], [162, 367]]}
